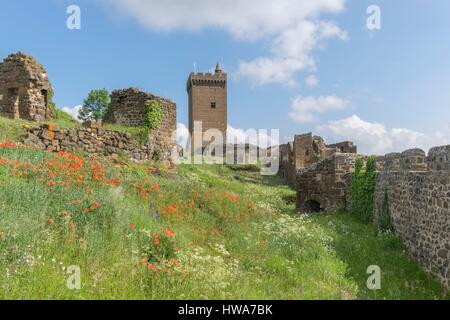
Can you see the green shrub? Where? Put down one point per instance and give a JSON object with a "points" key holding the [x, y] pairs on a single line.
{"points": [[152, 120], [357, 188], [384, 221], [153, 115], [156, 155], [363, 188], [95, 106]]}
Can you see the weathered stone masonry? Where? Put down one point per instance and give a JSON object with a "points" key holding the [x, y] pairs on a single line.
{"points": [[208, 103], [323, 186], [307, 150], [96, 141], [24, 88], [419, 199], [127, 108]]}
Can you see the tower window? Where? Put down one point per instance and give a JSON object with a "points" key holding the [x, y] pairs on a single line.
{"points": [[213, 105]]}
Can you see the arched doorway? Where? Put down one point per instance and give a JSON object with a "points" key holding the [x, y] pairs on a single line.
{"points": [[312, 206]]}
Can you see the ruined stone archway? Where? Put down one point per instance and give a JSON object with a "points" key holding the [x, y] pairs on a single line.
{"points": [[312, 206]]}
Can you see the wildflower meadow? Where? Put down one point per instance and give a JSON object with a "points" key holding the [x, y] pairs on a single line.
{"points": [[206, 232]]}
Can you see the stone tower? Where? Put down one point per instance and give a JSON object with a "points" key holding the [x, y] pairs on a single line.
{"points": [[208, 102], [24, 88]]}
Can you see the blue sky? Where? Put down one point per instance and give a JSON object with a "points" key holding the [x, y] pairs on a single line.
{"points": [[387, 89]]}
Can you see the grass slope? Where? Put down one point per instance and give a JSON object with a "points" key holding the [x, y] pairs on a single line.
{"points": [[15, 130], [210, 232]]}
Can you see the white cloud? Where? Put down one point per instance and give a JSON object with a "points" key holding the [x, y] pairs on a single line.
{"points": [[305, 109], [250, 19], [291, 53], [375, 138], [292, 27], [312, 81], [182, 135], [73, 111]]}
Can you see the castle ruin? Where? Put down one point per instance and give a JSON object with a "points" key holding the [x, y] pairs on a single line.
{"points": [[24, 88], [307, 150], [127, 108], [418, 188], [417, 185]]}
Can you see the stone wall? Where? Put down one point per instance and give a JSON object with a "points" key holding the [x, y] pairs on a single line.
{"points": [[419, 201], [286, 161], [418, 188], [344, 147], [323, 186], [307, 150], [95, 140], [127, 108], [24, 88]]}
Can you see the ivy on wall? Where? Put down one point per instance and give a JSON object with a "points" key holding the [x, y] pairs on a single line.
{"points": [[153, 116], [363, 189]]}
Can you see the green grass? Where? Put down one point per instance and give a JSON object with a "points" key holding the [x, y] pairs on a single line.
{"points": [[14, 130], [271, 254], [360, 245]]}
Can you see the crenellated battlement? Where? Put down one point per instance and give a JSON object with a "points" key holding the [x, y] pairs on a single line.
{"points": [[439, 158], [206, 79], [416, 160]]}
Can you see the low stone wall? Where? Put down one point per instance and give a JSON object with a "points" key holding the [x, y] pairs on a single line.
{"points": [[419, 201], [100, 141], [323, 186]]}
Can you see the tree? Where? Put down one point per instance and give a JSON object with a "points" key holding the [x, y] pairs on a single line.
{"points": [[95, 106]]}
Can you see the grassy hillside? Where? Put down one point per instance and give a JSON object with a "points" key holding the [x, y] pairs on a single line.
{"points": [[209, 232], [14, 130]]}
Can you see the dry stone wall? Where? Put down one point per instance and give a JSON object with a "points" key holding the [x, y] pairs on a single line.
{"points": [[95, 140]]}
